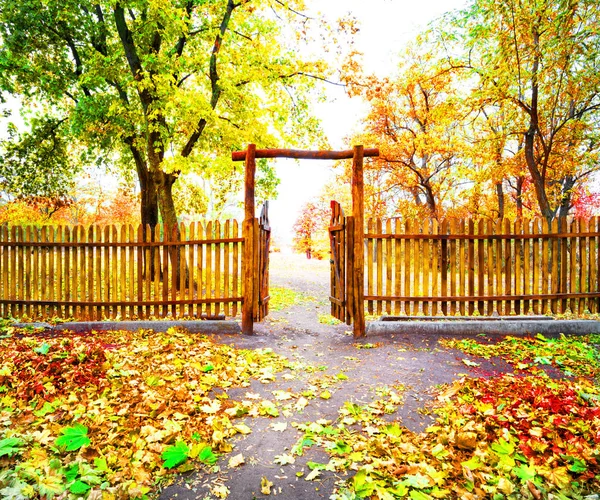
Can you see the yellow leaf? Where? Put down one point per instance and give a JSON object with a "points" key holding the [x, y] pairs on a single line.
{"points": [[265, 486], [236, 460]]}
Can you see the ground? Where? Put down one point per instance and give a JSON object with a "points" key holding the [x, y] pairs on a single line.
{"points": [[300, 410], [417, 363]]}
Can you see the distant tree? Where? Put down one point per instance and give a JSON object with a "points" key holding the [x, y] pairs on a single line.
{"points": [[35, 166]]}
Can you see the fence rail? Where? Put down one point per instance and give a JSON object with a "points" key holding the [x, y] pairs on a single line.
{"points": [[108, 272], [480, 267]]}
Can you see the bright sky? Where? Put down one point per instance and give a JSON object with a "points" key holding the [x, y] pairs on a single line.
{"points": [[385, 27]]}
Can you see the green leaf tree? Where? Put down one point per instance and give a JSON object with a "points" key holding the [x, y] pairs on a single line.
{"points": [[168, 87]]}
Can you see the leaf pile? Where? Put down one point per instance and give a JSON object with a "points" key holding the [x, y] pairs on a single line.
{"points": [[501, 437], [573, 355], [109, 413]]}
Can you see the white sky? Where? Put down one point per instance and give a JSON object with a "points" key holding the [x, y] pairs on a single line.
{"points": [[385, 28]]}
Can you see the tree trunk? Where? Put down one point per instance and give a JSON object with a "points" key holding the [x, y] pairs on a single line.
{"points": [[519, 196], [500, 195]]}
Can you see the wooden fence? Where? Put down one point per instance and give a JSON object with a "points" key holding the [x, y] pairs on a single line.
{"points": [[480, 267], [121, 272]]}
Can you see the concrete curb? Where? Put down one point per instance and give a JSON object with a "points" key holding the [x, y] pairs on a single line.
{"points": [[206, 326], [474, 327]]}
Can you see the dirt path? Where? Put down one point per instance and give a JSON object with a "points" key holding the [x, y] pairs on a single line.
{"points": [[371, 366]]}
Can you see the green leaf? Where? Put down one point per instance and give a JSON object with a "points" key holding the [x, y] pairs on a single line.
{"points": [[175, 455], [100, 464], [79, 488], [10, 446], [473, 463], [524, 472], [207, 456], [73, 438], [503, 447], [42, 349], [419, 495], [361, 487], [207, 368], [341, 448]]}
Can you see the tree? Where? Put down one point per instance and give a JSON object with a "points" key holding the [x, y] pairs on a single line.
{"points": [[36, 166], [538, 58], [415, 119], [168, 86]]}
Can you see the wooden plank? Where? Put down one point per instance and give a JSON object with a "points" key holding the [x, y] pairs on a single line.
{"points": [[28, 250], [583, 265], [444, 266], [397, 266], [490, 268], [435, 271], [98, 285], [388, 265], [527, 281], [132, 268], [417, 266], [481, 268], [227, 268], [593, 259], [370, 265], [563, 263], [209, 268], [545, 269], [498, 261], [194, 285], [256, 267], [84, 310], [408, 267], [20, 277], [379, 264], [350, 267], [140, 282], [91, 312], [471, 265], [237, 251], [122, 273], [106, 290], [536, 273], [182, 311], [166, 270], [508, 268], [217, 267], [452, 247], [43, 268], [554, 256], [202, 250], [4, 309], [303, 155], [156, 310], [518, 250], [426, 267]]}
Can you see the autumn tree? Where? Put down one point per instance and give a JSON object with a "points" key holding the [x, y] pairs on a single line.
{"points": [[165, 87], [415, 119], [538, 59]]}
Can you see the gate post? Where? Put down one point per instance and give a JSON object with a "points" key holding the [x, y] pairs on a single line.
{"points": [[358, 210], [249, 243]]}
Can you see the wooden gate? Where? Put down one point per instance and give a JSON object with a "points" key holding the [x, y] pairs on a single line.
{"points": [[338, 244], [261, 288]]}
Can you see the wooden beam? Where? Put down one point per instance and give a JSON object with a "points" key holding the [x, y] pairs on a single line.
{"points": [[248, 233], [358, 207], [303, 155]]}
